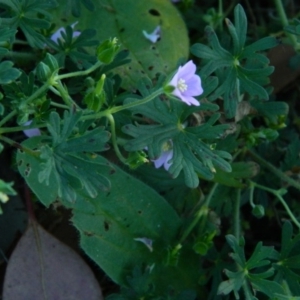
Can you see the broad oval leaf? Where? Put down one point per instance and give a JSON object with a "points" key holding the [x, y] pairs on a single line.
{"points": [[114, 18]]}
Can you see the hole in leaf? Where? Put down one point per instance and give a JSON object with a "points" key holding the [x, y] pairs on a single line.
{"points": [[153, 48], [154, 12], [122, 29], [27, 171], [139, 212], [150, 68], [87, 233], [106, 226], [20, 162]]}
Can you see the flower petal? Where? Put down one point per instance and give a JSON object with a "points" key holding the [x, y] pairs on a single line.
{"points": [[187, 71], [190, 100], [161, 160], [167, 163], [32, 131], [154, 36], [194, 86]]}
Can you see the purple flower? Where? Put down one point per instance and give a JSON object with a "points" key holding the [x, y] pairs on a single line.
{"points": [[31, 132], [57, 35], [187, 84], [165, 157], [154, 36]]}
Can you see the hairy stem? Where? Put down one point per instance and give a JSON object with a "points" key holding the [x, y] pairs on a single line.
{"points": [[275, 171]]}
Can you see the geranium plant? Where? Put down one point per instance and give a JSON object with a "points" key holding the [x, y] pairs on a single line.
{"points": [[162, 143]]}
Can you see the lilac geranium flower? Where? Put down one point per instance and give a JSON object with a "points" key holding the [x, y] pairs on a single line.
{"points": [[165, 157], [187, 84], [154, 36], [57, 35], [31, 132]]}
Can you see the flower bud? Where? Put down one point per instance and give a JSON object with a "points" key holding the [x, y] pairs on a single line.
{"points": [[43, 72], [51, 62], [258, 211], [107, 50]]}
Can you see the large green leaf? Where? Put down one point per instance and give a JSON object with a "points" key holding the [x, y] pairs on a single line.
{"points": [[115, 226], [126, 20], [130, 213]]}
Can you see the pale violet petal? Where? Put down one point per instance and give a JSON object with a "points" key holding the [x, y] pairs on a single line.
{"points": [[194, 86], [190, 100], [168, 162], [154, 36], [161, 160], [57, 35], [187, 70], [146, 241], [31, 132]]}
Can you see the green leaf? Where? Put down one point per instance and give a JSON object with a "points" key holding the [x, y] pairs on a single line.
{"points": [[240, 21], [239, 254], [234, 66], [30, 16], [267, 287], [129, 211], [257, 258], [190, 153], [74, 48], [68, 165], [291, 158], [271, 109], [7, 73], [147, 59], [240, 170], [233, 284]]}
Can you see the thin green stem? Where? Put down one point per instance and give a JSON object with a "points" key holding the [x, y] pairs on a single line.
{"points": [[201, 213], [285, 22], [119, 108], [137, 103], [38, 92], [65, 95], [19, 146], [277, 193], [275, 171], [220, 15], [114, 138], [236, 212], [251, 195], [59, 105], [8, 117], [79, 73], [247, 291], [20, 128], [21, 55]]}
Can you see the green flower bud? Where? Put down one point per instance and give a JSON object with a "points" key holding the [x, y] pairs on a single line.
{"points": [[258, 211], [107, 50], [51, 62], [95, 97], [43, 72]]}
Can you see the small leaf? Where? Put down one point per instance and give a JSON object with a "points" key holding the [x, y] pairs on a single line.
{"points": [[41, 267], [7, 73]]}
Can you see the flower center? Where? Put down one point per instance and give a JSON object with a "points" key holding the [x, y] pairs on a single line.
{"points": [[181, 85]]}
